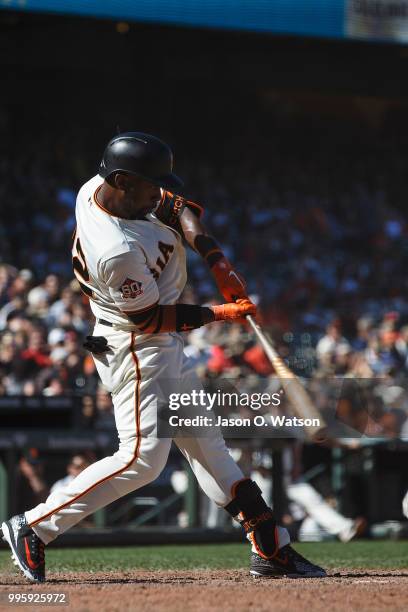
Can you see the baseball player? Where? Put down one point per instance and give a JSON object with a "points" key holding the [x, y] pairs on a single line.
{"points": [[128, 255]]}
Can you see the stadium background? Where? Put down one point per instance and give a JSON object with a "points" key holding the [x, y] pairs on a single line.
{"points": [[296, 147]]}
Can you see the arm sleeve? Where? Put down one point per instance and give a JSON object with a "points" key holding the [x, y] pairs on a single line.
{"points": [[171, 207], [130, 282]]}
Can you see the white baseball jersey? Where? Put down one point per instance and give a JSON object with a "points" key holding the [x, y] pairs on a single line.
{"points": [[125, 265]]}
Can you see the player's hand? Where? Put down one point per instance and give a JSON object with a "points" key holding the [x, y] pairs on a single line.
{"points": [[230, 283], [235, 311]]}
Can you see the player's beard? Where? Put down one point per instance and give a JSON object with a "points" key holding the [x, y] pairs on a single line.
{"points": [[145, 211], [130, 210], [150, 207]]}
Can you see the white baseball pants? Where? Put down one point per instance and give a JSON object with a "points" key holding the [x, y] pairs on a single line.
{"points": [[132, 371], [316, 507]]}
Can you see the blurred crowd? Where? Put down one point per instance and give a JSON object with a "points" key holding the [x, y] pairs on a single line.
{"points": [[311, 212]]}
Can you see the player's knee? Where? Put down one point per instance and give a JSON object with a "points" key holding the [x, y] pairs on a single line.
{"points": [[126, 454], [148, 457], [155, 471]]}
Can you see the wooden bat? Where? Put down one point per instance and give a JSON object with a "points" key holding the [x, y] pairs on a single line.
{"points": [[294, 390]]}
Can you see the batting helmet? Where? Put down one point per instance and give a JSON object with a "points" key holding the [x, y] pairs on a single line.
{"points": [[143, 155]]}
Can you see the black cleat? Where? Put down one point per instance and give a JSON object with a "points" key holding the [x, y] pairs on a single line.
{"points": [[27, 550], [287, 563]]}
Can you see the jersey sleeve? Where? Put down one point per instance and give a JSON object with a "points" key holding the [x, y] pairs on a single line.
{"points": [[130, 282]]}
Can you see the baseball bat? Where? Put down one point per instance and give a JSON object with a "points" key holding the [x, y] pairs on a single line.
{"points": [[294, 390]]}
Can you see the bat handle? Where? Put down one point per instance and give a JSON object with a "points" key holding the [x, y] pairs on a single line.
{"points": [[263, 338], [257, 329], [251, 321]]}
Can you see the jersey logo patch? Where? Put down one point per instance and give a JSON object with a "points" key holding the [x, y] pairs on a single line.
{"points": [[130, 289]]}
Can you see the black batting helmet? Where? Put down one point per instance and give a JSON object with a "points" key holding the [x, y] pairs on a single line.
{"points": [[143, 155]]}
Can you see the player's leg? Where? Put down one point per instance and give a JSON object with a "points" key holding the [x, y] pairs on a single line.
{"points": [[130, 373], [218, 474], [327, 517], [99, 485], [222, 480]]}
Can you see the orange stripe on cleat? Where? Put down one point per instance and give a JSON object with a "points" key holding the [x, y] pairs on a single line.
{"points": [[31, 563]]}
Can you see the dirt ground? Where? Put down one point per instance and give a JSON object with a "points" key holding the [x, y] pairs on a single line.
{"points": [[226, 591]]}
